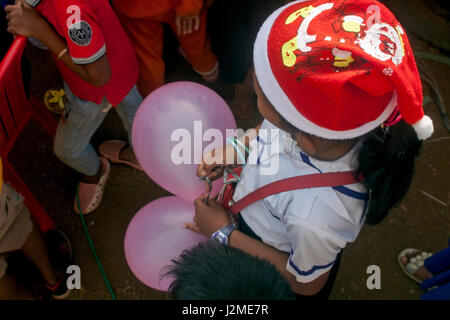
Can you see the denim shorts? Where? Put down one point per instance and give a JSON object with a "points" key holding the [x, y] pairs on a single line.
{"points": [[80, 120]]}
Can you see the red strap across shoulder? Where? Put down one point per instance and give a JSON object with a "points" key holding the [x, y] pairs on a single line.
{"points": [[317, 180]]}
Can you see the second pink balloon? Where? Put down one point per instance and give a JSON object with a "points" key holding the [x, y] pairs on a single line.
{"points": [[171, 131]]}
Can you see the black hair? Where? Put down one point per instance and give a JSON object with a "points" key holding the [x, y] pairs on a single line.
{"points": [[386, 160], [213, 271]]}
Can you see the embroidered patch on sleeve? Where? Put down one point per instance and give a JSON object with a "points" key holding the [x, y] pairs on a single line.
{"points": [[81, 33]]}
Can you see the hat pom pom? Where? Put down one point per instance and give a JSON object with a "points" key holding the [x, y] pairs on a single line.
{"points": [[424, 128]]}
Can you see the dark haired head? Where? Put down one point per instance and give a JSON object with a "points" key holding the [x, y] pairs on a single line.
{"points": [[386, 161], [213, 271]]}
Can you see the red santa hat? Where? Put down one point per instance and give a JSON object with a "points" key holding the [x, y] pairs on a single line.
{"points": [[339, 69]]}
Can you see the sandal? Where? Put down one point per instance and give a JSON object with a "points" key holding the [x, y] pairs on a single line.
{"points": [[415, 262], [89, 196], [59, 291], [111, 151]]}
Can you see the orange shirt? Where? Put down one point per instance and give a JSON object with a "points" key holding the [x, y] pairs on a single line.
{"points": [[147, 8]]}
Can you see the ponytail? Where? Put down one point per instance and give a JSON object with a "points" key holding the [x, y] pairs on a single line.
{"points": [[386, 160]]}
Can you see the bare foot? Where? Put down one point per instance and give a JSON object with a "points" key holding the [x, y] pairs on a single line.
{"points": [[422, 273]]}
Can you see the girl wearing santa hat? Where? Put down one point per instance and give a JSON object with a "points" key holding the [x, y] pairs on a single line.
{"points": [[340, 92]]}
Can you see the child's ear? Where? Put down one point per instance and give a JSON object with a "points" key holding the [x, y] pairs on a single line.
{"points": [[306, 143]]}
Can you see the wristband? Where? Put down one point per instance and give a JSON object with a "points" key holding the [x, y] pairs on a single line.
{"points": [[239, 152], [60, 55], [236, 140], [223, 234]]}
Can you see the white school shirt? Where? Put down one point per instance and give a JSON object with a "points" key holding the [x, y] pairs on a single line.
{"points": [[312, 225]]}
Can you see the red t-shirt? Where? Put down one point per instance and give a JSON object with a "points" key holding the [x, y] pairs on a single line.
{"points": [[98, 32], [148, 8]]}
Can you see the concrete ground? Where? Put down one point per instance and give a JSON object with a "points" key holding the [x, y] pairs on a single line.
{"points": [[422, 220]]}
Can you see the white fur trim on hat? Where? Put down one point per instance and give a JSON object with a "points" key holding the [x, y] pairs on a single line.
{"points": [[424, 128], [282, 103]]}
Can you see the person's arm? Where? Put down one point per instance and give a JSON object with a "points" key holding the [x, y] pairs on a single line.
{"points": [[279, 259], [97, 73], [211, 217], [24, 20]]}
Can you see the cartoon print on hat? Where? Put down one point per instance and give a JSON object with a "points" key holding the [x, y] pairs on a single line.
{"points": [[337, 69]]}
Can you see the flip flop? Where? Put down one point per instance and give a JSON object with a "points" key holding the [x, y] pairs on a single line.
{"points": [[90, 195], [111, 151], [415, 262]]}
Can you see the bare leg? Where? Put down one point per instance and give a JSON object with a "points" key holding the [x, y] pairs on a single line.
{"points": [[242, 102], [10, 289], [35, 250], [95, 179]]}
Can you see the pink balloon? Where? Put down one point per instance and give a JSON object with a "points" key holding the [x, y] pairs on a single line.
{"points": [[155, 236], [166, 116]]}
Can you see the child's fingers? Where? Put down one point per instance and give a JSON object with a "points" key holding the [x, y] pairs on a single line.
{"points": [[199, 202], [191, 227], [189, 26], [197, 22], [13, 14], [184, 26], [215, 174], [178, 24], [24, 4], [11, 8], [214, 204], [10, 30], [204, 169]]}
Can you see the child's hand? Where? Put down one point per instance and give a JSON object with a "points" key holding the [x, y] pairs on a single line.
{"points": [[211, 163], [23, 20], [184, 24], [208, 217]]}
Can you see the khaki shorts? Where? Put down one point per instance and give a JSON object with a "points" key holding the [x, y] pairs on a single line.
{"points": [[15, 223]]}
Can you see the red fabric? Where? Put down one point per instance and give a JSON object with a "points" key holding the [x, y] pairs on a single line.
{"points": [[105, 33], [148, 8], [225, 197], [146, 35], [338, 80], [16, 110]]}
